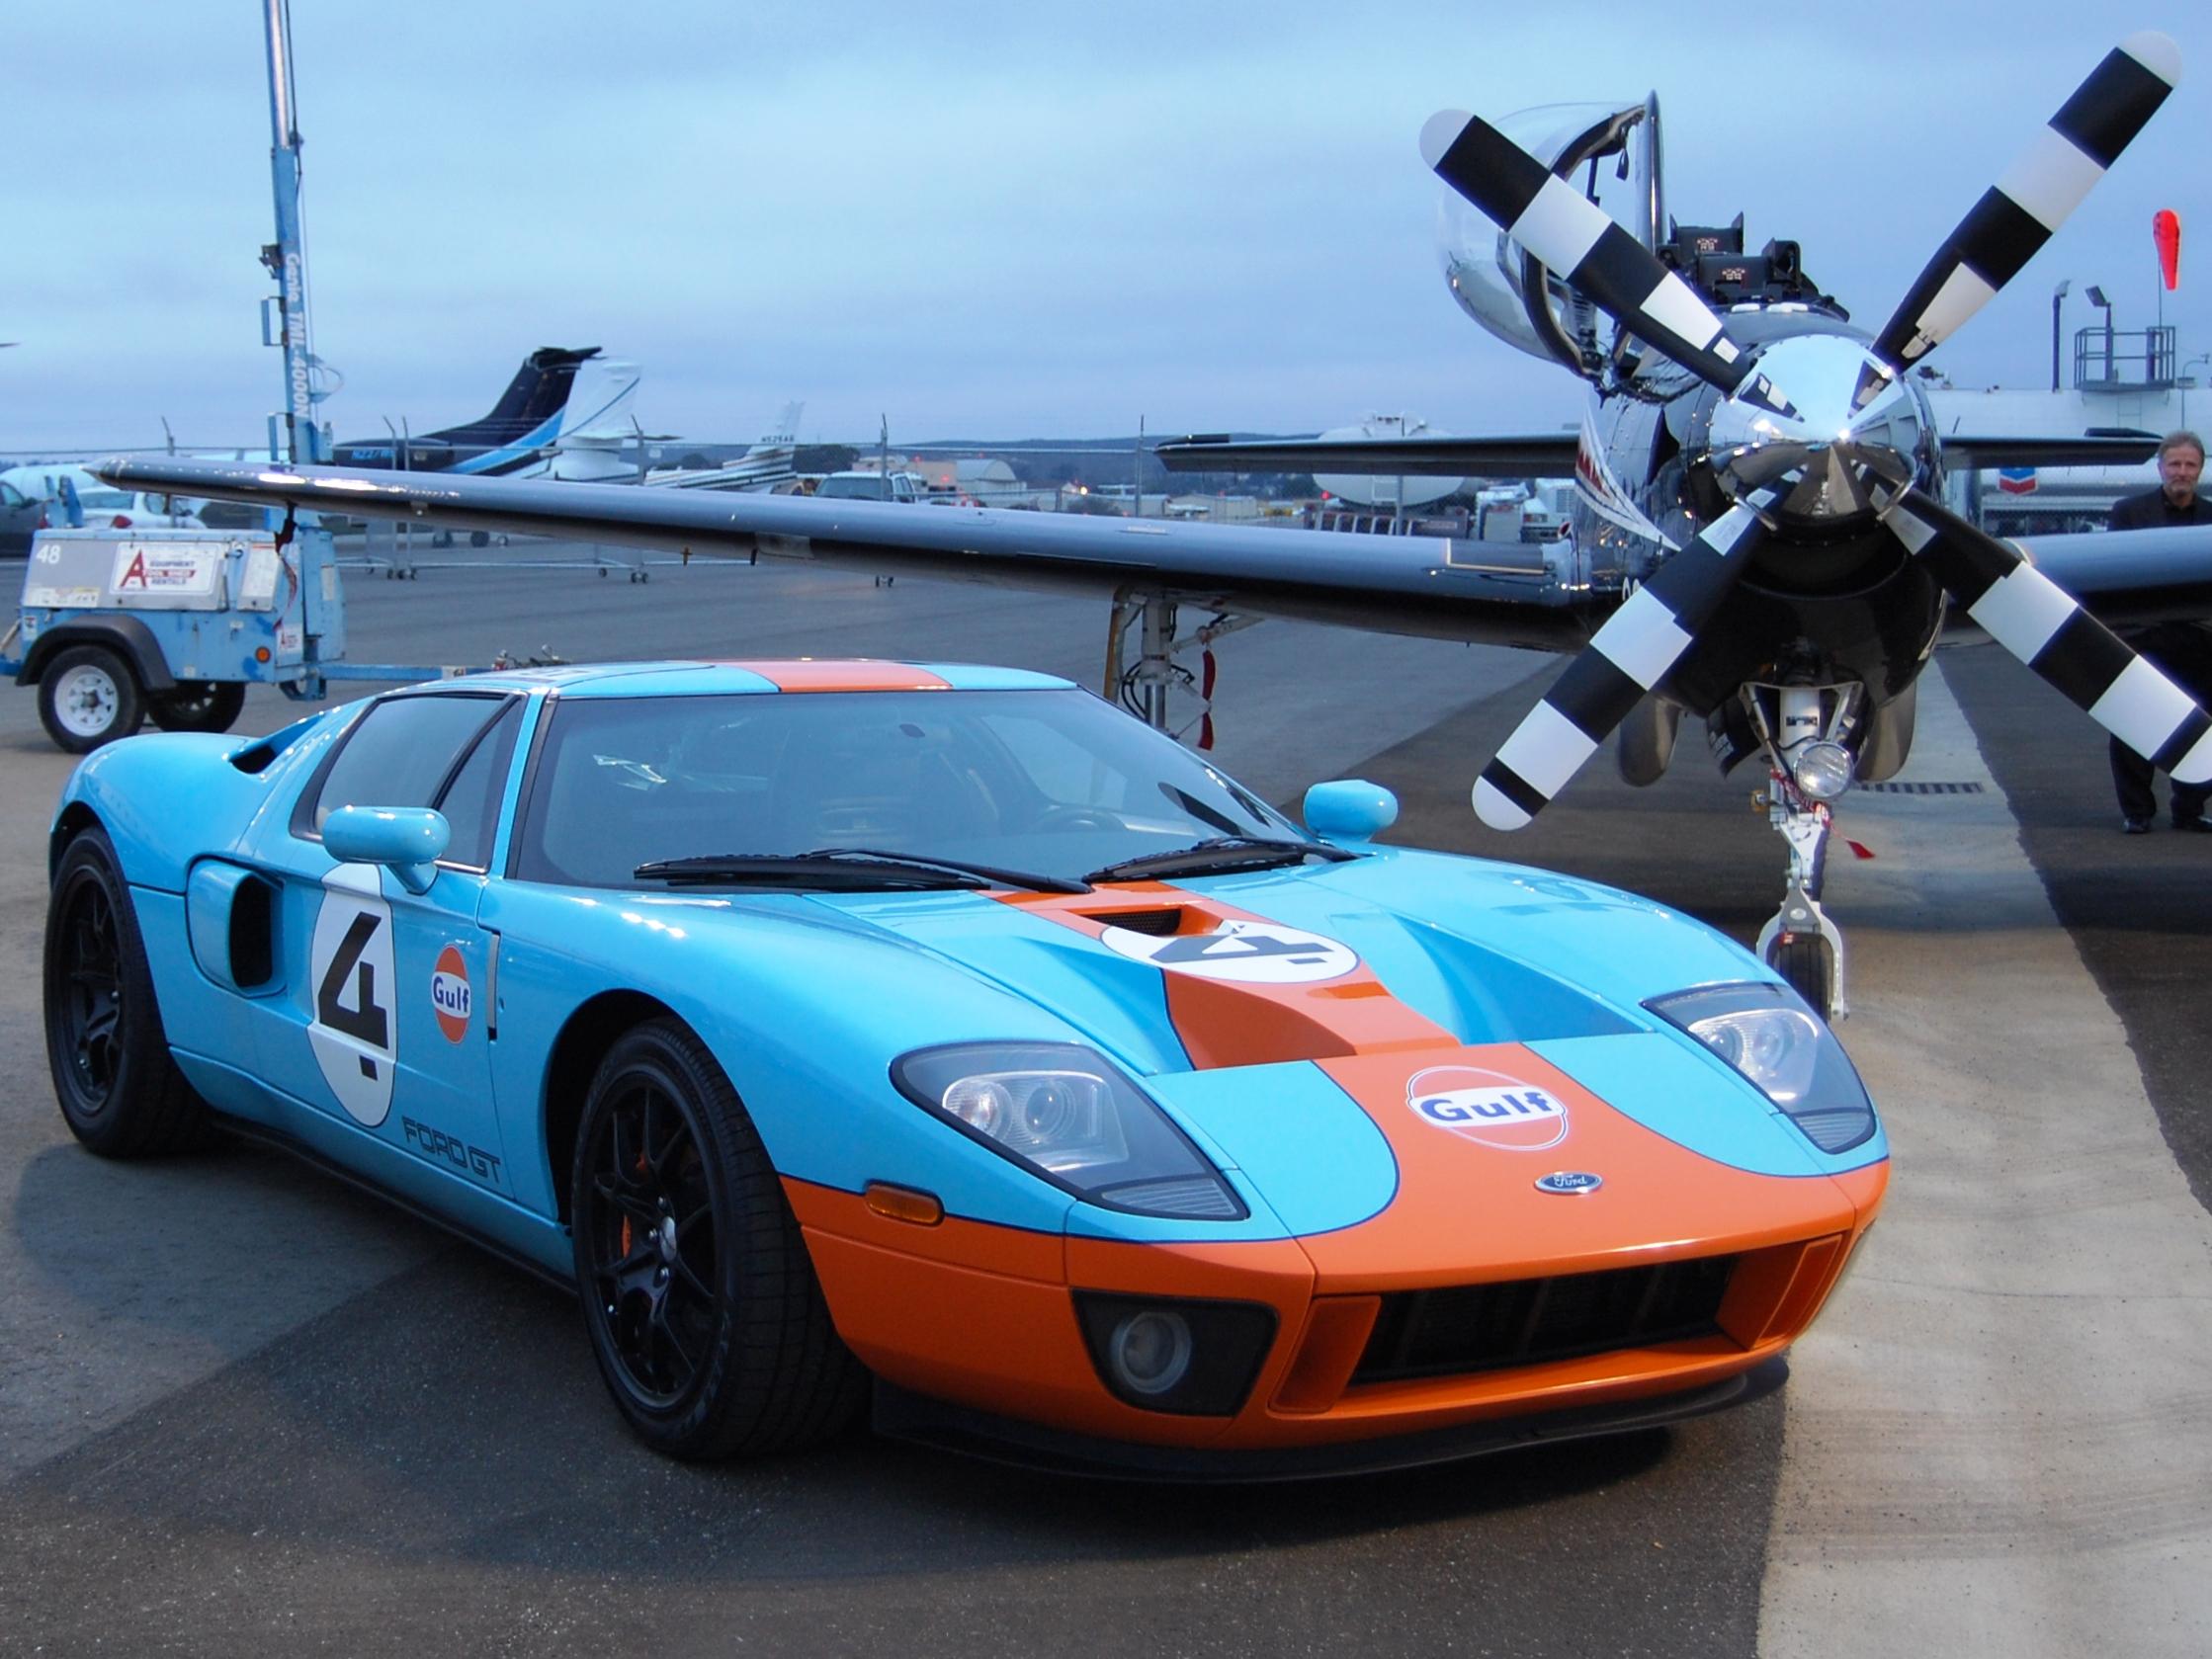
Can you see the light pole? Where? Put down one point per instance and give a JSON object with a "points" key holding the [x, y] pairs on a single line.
{"points": [[2095, 297], [2057, 295]]}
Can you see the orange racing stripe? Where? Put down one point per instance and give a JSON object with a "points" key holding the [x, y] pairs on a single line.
{"points": [[1226, 1023], [844, 675]]}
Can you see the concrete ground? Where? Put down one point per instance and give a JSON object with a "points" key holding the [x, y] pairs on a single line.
{"points": [[244, 1410]]}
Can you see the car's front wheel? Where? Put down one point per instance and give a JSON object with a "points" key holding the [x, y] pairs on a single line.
{"points": [[120, 1091], [703, 1307]]}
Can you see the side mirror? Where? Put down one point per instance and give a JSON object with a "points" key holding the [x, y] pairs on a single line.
{"points": [[1349, 809], [408, 840]]}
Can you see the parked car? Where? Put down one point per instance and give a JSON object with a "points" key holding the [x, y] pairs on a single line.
{"points": [[20, 518], [943, 1039], [870, 486]]}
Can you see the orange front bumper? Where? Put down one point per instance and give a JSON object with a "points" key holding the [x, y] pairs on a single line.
{"points": [[982, 1317]]}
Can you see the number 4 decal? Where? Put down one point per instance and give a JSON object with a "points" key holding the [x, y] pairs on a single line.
{"points": [[350, 964]]}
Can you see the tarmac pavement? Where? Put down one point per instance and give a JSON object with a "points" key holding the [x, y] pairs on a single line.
{"points": [[245, 1410]]}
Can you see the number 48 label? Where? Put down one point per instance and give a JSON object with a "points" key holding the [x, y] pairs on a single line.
{"points": [[349, 970]]}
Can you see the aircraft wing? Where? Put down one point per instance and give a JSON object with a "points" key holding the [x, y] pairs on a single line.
{"points": [[1543, 454], [1503, 594], [2128, 576], [1967, 452]]}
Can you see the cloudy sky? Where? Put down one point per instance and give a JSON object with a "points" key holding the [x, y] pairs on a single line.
{"points": [[976, 220]]}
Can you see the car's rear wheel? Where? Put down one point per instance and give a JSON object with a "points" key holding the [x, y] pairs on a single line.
{"points": [[87, 697], [199, 705], [703, 1307], [120, 1092]]}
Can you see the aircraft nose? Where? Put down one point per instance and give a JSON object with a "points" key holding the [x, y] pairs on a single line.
{"points": [[1846, 426]]}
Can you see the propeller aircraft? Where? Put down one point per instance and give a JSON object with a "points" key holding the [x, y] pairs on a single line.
{"points": [[1760, 539]]}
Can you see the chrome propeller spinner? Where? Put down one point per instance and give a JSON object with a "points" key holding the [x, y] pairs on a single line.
{"points": [[1845, 435]]}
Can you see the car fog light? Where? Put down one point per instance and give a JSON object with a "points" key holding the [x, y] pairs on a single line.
{"points": [[1196, 1357], [1151, 1352], [1822, 769]]}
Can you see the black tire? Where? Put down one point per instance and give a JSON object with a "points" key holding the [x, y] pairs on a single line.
{"points": [[87, 697], [199, 705], [1807, 964], [480, 539], [702, 1304], [120, 1092]]}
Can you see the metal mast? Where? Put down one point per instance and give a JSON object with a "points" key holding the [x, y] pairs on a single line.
{"points": [[286, 256]]}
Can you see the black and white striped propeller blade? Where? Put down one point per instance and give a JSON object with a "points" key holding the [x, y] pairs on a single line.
{"points": [[1639, 643], [2036, 195], [2045, 626], [1575, 238]]}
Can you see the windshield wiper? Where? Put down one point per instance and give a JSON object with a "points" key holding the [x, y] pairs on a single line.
{"points": [[850, 867], [1221, 853]]}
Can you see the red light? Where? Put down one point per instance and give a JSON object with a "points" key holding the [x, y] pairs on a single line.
{"points": [[120, 522]]}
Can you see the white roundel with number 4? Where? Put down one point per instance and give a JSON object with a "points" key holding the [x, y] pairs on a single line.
{"points": [[355, 1034], [1241, 952]]}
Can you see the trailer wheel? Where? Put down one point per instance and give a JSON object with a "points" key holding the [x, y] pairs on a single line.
{"points": [[198, 706], [88, 697]]}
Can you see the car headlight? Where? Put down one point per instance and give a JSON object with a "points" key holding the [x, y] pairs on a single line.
{"points": [[1068, 1113], [1783, 1049]]}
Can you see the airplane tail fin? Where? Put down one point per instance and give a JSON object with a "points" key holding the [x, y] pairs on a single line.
{"points": [[786, 434], [532, 401], [596, 423]]}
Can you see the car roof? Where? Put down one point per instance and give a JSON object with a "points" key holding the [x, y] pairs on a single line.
{"points": [[758, 675]]}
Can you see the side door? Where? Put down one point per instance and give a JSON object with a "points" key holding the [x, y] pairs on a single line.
{"points": [[385, 1023]]}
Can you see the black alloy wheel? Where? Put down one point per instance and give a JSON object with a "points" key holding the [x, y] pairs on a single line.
{"points": [[120, 1091], [702, 1304], [198, 706]]}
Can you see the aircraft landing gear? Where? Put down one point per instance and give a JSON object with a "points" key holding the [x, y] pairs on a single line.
{"points": [[1800, 943], [1801, 729], [1144, 686]]}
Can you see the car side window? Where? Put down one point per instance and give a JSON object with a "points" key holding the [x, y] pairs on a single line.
{"points": [[471, 802], [400, 752]]}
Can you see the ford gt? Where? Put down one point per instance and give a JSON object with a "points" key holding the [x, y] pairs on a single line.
{"points": [[942, 1043]]}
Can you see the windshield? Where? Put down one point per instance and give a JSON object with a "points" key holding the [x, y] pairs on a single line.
{"points": [[1052, 782], [870, 488]]}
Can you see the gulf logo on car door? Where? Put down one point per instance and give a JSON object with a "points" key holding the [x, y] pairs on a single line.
{"points": [[1487, 1107], [354, 1035], [450, 996]]}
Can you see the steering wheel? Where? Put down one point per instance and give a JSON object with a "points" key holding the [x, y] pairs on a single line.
{"points": [[1068, 817]]}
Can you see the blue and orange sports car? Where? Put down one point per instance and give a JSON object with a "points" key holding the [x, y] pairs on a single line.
{"points": [[943, 1039]]}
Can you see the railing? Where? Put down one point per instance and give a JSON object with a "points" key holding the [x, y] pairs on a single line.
{"points": [[2124, 359]]}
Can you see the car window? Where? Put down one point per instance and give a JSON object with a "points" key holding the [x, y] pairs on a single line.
{"points": [[398, 754], [1052, 782], [471, 802], [10, 496]]}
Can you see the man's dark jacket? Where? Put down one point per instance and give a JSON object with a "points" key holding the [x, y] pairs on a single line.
{"points": [[2152, 511]]}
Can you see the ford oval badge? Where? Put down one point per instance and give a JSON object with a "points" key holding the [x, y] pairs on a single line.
{"points": [[1569, 1181]]}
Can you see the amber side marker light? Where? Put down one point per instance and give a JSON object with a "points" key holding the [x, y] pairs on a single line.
{"points": [[904, 1203], [261, 653]]}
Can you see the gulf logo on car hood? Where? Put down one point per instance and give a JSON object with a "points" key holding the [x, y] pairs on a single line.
{"points": [[1487, 1107]]}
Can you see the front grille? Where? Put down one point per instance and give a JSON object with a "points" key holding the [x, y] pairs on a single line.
{"points": [[1532, 1321]]}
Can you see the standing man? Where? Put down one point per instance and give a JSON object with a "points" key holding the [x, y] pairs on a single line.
{"points": [[2182, 649]]}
